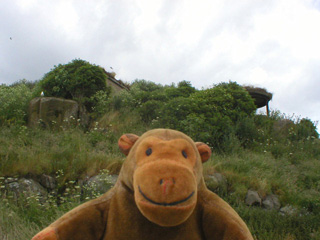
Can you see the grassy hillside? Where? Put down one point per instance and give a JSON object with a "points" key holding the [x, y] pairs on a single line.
{"points": [[277, 155], [78, 153]]}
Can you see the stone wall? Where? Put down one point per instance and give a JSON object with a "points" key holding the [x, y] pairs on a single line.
{"points": [[46, 187]]}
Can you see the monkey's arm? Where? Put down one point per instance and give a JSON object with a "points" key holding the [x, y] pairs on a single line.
{"points": [[86, 222], [220, 221]]}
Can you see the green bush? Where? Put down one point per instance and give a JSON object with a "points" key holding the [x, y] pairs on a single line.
{"points": [[228, 99], [144, 86], [211, 115], [144, 97], [148, 98], [174, 112], [246, 131], [149, 110], [219, 116], [101, 102], [78, 80], [14, 103], [285, 136], [184, 89], [306, 129]]}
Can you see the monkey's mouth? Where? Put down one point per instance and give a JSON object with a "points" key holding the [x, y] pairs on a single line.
{"points": [[164, 203]]}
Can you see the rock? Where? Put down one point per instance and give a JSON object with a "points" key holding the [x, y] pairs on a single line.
{"points": [[52, 112], [48, 182], [220, 178], [99, 184], [46, 186], [25, 188], [253, 198], [288, 210], [113, 179], [216, 182], [10, 180], [271, 202]]}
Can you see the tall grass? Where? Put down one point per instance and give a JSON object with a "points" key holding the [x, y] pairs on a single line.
{"points": [[269, 164], [34, 151], [295, 185], [21, 221], [270, 225]]}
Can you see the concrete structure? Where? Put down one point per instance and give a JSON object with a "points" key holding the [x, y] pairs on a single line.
{"points": [[261, 97], [116, 85], [51, 112]]}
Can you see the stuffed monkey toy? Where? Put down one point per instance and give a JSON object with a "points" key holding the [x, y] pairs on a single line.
{"points": [[160, 194]]}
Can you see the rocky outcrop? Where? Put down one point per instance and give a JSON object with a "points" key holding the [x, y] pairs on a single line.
{"points": [[21, 189], [48, 182], [54, 112], [98, 184], [91, 187], [26, 188]]}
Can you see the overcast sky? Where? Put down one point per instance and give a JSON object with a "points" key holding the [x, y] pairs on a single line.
{"points": [[273, 44]]}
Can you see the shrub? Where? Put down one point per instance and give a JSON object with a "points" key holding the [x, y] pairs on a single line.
{"points": [[148, 99], [174, 112], [306, 128], [78, 80], [184, 89], [210, 115], [101, 102], [145, 86], [228, 99], [144, 97], [142, 91], [149, 110], [246, 131], [14, 103]]}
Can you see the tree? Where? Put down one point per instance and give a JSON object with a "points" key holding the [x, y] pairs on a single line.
{"points": [[78, 80]]}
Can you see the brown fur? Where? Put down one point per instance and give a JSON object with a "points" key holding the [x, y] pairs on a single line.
{"points": [[160, 194]]}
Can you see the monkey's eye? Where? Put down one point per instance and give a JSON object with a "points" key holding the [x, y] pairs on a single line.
{"points": [[184, 154], [149, 151]]}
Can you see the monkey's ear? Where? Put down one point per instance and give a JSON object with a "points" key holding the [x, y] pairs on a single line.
{"points": [[126, 142], [204, 150]]}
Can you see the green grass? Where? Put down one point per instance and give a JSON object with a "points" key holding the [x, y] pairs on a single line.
{"points": [[288, 169], [270, 225], [295, 184], [22, 221], [265, 174], [33, 152]]}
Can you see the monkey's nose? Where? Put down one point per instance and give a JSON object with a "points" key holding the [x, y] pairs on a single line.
{"points": [[166, 184]]}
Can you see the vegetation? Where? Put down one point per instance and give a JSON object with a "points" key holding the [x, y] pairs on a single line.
{"points": [[14, 103], [78, 80], [272, 155]]}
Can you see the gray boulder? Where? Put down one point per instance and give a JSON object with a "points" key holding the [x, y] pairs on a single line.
{"points": [[253, 198], [52, 112], [288, 210], [25, 188], [99, 184], [48, 182], [271, 202], [216, 182]]}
